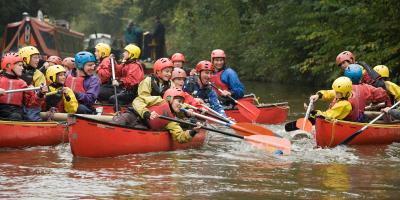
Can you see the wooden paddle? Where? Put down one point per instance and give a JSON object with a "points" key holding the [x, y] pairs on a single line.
{"points": [[352, 136], [116, 107], [23, 89], [304, 123], [244, 129], [247, 109], [269, 143]]}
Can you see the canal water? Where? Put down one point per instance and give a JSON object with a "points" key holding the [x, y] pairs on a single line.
{"points": [[224, 168]]}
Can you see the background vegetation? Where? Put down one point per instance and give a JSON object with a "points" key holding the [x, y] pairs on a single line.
{"points": [[286, 41]]}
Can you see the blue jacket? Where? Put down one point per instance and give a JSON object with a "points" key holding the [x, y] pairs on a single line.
{"points": [[92, 87], [231, 79], [206, 93]]}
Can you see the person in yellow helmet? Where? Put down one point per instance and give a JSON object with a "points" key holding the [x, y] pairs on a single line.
{"points": [[64, 100], [340, 107], [103, 71], [32, 76], [128, 76], [392, 89]]}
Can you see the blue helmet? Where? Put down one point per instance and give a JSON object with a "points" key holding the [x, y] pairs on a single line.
{"points": [[81, 58], [354, 72]]}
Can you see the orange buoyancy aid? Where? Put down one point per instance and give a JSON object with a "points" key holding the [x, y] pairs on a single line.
{"points": [[75, 83], [15, 98], [162, 109], [216, 80]]}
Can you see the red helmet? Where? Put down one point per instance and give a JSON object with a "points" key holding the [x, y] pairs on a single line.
{"points": [[345, 55], [10, 58], [217, 53], [178, 73], [171, 93], [161, 64], [54, 59], [204, 65], [178, 57], [69, 62]]}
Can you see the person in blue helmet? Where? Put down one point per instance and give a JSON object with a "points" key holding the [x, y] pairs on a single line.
{"points": [[84, 82]]}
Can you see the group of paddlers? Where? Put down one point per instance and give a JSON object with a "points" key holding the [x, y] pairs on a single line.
{"points": [[74, 85]]}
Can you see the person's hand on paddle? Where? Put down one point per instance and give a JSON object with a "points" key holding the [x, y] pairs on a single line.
{"points": [[314, 97], [44, 89], [198, 127], [386, 110], [192, 72], [189, 112], [2, 91], [115, 83], [154, 115], [225, 93]]}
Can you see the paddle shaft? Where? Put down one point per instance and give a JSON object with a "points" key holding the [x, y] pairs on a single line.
{"points": [[231, 98], [218, 114], [22, 90], [307, 113], [203, 127], [211, 114], [352, 136], [208, 118], [115, 87]]}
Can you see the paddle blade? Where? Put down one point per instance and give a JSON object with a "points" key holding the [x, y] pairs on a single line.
{"points": [[291, 126], [246, 129], [270, 143], [305, 125], [248, 110]]}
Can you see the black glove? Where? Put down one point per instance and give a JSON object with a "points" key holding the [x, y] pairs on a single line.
{"points": [[193, 133], [146, 115]]}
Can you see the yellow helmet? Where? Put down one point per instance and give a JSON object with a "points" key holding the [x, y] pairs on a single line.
{"points": [[133, 50], [382, 70], [52, 71], [342, 85], [26, 52], [103, 48]]}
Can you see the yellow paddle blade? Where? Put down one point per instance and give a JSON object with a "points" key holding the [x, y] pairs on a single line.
{"points": [[305, 125], [270, 143], [246, 129]]}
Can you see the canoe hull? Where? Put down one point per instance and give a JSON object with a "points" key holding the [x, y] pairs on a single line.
{"points": [[270, 114], [27, 134], [332, 133], [90, 138]]}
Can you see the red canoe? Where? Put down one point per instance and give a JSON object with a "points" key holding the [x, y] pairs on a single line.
{"points": [[27, 134], [95, 139], [331, 133], [270, 113]]}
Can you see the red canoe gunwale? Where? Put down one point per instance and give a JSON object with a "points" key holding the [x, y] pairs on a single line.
{"points": [[18, 134], [94, 139], [330, 133], [274, 113]]}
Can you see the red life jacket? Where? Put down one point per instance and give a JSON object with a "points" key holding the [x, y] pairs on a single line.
{"points": [[75, 83], [162, 109], [15, 98], [358, 102], [216, 80]]}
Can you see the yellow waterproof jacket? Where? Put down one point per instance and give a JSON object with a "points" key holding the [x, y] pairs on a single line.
{"points": [[145, 88], [141, 104], [339, 110], [71, 103], [393, 89], [38, 78], [327, 95]]}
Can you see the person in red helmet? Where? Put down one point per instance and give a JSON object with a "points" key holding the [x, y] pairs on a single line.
{"points": [[178, 78], [370, 77], [200, 87], [148, 113], [226, 79], [11, 103], [69, 64], [179, 60], [51, 60]]}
